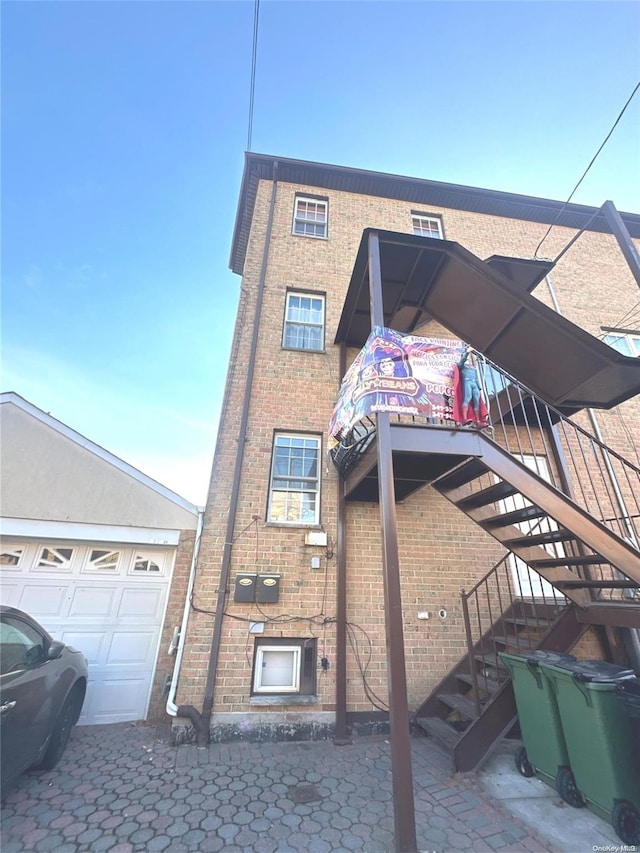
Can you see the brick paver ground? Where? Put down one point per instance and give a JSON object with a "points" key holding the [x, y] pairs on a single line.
{"points": [[123, 788]]}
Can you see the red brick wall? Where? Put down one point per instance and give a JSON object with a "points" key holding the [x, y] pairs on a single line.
{"points": [[441, 552]]}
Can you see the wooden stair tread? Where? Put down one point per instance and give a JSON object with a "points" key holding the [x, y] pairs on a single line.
{"points": [[488, 684], [548, 537], [439, 730], [525, 513], [531, 622], [579, 583], [460, 703], [465, 473], [583, 560], [515, 641], [490, 495], [491, 660]]}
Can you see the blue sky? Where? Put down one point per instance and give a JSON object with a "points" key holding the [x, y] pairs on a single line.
{"points": [[123, 131]]}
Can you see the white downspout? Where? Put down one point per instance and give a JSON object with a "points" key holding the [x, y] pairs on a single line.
{"points": [[172, 708]]}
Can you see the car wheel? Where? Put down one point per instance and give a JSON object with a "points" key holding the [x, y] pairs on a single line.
{"points": [[626, 822], [567, 788], [62, 730]]}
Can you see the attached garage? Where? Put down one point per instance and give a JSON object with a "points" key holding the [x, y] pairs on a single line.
{"points": [[92, 558]]}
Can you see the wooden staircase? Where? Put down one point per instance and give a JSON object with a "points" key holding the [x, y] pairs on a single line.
{"points": [[577, 554], [593, 577], [473, 707]]}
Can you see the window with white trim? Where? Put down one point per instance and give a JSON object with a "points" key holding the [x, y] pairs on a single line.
{"points": [[103, 560], [304, 322], [310, 217], [11, 555], [628, 343], [426, 226], [294, 490], [284, 665], [55, 558]]}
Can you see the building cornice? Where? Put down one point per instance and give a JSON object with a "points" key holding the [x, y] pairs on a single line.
{"points": [[415, 191]]}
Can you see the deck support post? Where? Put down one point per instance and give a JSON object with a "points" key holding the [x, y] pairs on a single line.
{"points": [[402, 774]]}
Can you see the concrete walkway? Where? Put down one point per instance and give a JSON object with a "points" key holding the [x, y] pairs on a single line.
{"points": [[123, 788]]}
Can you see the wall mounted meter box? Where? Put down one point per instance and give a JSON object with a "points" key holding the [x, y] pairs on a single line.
{"points": [[245, 589], [268, 589]]}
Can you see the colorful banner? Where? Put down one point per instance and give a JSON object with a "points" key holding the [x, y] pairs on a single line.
{"points": [[398, 373]]}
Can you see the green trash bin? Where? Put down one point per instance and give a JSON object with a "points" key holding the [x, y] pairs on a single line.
{"points": [[545, 751], [598, 734]]}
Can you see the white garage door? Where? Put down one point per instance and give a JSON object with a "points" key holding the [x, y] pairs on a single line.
{"points": [[108, 601]]}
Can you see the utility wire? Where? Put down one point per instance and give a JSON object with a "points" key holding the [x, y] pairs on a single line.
{"points": [[593, 159], [254, 54]]}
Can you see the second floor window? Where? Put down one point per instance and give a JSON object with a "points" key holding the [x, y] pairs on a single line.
{"points": [[304, 322], [310, 217], [294, 494], [627, 343], [427, 226]]}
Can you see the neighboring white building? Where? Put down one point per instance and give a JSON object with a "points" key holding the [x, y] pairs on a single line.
{"points": [[91, 548]]}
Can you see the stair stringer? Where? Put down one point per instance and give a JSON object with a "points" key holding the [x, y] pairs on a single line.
{"points": [[557, 505]]}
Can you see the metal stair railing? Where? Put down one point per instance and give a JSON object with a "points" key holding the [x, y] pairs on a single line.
{"points": [[499, 592], [602, 481]]}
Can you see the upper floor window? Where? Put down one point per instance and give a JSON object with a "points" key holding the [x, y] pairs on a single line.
{"points": [[304, 322], [294, 493], [427, 226], [628, 343], [310, 217]]}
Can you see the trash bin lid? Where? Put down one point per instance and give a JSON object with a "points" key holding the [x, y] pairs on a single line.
{"points": [[630, 694], [597, 671], [538, 656]]}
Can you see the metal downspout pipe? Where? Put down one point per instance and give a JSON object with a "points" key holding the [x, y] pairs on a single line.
{"points": [[201, 721], [341, 734], [631, 636], [171, 707]]}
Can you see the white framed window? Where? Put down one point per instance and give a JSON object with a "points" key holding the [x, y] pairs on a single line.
{"points": [[56, 558], [294, 490], [147, 562], [102, 560], [310, 216], [426, 226], [628, 343], [11, 555], [284, 665], [304, 322]]}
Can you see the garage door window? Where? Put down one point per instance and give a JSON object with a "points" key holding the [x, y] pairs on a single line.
{"points": [[11, 556], [103, 560], [58, 559], [145, 563]]}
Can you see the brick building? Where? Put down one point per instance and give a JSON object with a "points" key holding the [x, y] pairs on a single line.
{"points": [[296, 628]]}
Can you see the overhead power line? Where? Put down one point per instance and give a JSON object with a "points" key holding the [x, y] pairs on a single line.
{"points": [[593, 159], [254, 54]]}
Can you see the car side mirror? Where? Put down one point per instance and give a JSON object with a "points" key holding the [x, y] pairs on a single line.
{"points": [[55, 650]]}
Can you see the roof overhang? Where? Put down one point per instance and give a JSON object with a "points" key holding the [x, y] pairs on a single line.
{"points": [[488, 304], [420, 193]]}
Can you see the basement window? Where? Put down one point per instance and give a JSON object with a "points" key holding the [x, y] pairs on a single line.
{"points": [[310, 217], [427, 226], [304, 322], [284, 666], [628, 343]]}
